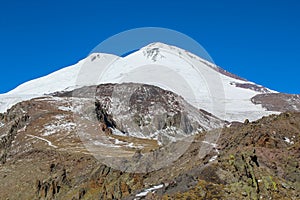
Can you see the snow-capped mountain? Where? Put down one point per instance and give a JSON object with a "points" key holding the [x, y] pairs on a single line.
{"points": [[110, 128], [201, 83]]}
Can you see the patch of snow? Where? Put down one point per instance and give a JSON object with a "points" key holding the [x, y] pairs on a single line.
{"points": [[142, 194], [212, 144], [213, 158], [117, 132], [131, 145], [59, 117], [43, 139], [288, 140], [120, 142], [98, 143], [22, 129], [215, 148], [58, 126], [65, 108], [1, 124], [152, 189]]}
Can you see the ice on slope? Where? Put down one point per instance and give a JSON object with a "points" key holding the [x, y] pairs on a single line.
{"points": [[62, 80], [168, 67]]}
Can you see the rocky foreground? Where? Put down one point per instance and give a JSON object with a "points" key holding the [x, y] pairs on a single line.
{"points": [[251, 160]]}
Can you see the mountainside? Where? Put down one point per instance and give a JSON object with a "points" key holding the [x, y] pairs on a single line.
{"points": [[44, 157], [142, 111], [160, 123], [201, 83]]}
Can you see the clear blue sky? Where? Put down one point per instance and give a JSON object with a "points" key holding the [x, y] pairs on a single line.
{"points": [[257, 40]]}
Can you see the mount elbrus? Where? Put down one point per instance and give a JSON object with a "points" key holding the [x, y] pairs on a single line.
{"points": [[111, 127]]}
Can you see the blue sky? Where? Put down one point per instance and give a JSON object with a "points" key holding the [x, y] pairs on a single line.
{"points": [[257, 40]]}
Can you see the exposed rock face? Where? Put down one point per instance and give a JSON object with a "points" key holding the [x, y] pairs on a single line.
{"points": [[12, 121], [278, 102], [115, 184], [51, 187], [147, 110], [251, 86]]}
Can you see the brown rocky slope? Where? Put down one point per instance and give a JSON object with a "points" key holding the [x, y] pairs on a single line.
{"points": [[257, 160]]}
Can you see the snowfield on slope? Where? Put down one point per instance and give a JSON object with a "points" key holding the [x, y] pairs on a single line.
{"points": [[198, 81]]}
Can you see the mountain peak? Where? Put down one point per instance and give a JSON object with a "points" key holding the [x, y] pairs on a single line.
{"points": [[201, 83]]}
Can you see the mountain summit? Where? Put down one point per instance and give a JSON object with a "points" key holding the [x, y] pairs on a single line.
{"points": [[210, 88]]}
